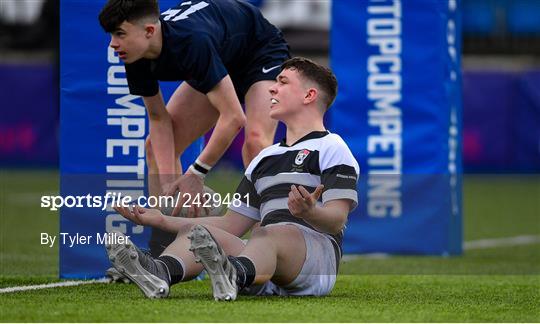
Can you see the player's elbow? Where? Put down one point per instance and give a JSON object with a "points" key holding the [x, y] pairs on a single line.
{"points": [[236, 120], [337, 212], [339, 224], [240, 120]]}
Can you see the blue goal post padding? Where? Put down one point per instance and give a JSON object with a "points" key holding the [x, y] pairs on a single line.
{"points": [[103, 131], [399, 109]]}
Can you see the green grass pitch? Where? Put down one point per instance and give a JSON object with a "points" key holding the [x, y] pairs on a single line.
{"points": [[500, 284]]}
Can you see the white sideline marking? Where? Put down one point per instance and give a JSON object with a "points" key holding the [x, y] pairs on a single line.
{"points": [[501, 242], [470, 245], [53, 285]]}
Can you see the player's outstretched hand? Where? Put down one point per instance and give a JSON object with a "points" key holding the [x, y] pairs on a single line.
{"points": [[302, 203], [190, 186], [141, 216]]}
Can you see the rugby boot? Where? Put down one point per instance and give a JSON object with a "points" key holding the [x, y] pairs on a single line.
{"points": [[149, 274], [221, 271]]}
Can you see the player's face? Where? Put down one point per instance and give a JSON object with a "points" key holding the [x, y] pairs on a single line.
{"points": [[287, 94], [130, 42]]}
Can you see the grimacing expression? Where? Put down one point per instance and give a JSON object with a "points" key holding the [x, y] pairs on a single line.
{"points": [[286, 94], [130, 41]]}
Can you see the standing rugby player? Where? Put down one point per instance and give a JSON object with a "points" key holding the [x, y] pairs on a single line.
{"points": [[227, 53]]}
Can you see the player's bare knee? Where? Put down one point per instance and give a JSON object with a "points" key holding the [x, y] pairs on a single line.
{"points": [[275, 233], [179, 148], [182, 139], [180, 145], [262, 233], [258, 232]]}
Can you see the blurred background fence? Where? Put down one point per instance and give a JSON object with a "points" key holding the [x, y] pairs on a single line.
{"points": [[501, 78]]}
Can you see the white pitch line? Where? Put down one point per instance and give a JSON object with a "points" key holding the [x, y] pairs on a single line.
{"points": [[470, 245], [501, 242], [53, 285]]}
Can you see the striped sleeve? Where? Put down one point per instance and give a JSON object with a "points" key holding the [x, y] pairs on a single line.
{"points": [[249, 200], [339, 174]]}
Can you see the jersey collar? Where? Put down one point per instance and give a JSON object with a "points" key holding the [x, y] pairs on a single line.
{"points": [[312, 135]]}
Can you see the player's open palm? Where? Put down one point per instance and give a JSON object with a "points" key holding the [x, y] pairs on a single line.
{"points": [[141, 216], [301, 203]]}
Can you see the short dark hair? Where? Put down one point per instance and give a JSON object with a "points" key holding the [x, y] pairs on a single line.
{"points": [[319, 74], [115, 12]]}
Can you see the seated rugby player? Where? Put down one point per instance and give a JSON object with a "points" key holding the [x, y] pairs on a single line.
{"points": [[301, 190]]}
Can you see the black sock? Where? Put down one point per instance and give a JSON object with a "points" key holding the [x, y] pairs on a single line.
{"points": [[175, 268], [245, 271]]}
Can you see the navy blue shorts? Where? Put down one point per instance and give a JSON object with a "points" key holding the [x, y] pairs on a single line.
{"points": [[265, 65]]}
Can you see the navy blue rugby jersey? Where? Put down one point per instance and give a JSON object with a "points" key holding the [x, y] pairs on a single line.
{"points": [[203, 41], [317, 158]]}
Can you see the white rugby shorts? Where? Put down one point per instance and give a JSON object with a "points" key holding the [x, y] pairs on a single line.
{"points": [[318, 274]]}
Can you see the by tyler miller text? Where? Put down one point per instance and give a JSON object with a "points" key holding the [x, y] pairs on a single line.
{"points": [[73, 239]]}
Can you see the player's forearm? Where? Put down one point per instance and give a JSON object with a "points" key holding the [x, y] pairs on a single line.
{"points": [[226, 129], [327, 219], [230, 122], [161, 136]]}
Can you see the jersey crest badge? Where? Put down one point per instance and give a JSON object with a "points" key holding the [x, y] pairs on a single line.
{"points": [[301, 156]]}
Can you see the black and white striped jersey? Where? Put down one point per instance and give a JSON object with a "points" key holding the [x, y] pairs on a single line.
{"points": [[318, 158]]}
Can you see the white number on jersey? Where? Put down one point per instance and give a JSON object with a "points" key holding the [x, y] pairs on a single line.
{"points": [[180, 14]]}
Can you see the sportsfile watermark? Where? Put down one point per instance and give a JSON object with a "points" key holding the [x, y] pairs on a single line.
{"points": [[118, 199]]}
